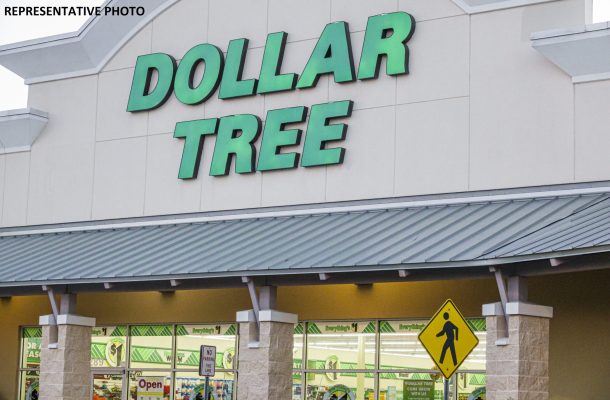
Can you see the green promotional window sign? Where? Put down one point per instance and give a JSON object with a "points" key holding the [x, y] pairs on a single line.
{"points": [[386, 38], [418, 390]]}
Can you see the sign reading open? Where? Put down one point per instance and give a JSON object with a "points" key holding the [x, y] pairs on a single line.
{"points": [[150, 388]]}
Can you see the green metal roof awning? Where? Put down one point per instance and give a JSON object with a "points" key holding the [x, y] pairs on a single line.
{"points": [[363, 240]]}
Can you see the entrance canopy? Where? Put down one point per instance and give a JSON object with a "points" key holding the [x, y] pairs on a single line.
{"points": [[359, 244]]}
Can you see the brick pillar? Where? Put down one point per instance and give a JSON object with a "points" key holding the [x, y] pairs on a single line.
{"points": [[518, 366], [65, 357], [265, 360]]}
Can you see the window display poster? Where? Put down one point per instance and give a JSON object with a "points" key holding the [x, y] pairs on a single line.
{"points": [[150, 388], [418, 390]]}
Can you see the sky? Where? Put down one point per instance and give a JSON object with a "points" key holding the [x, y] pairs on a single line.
{"points": [[13, 93]]}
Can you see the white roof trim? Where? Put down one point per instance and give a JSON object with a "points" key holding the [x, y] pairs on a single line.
{"points": [[23, 111], [481, 6], [582, 52], [80, 53], [88, 50], [19, 129], [311, 211]]}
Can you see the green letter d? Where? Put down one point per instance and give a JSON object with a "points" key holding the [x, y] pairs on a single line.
{"points": [[141, 97]]}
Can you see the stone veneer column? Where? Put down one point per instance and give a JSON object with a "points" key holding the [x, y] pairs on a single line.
{"points": [[265, 366], [518, 368], [65, 357]]}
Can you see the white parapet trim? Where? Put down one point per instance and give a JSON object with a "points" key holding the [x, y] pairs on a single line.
{"points": [[278, 316], [581, 52], [481, 6], [47, 320], [517, 308], [267, 316], [493, 310], [88, 50], [20, 128], [528, 309], [66, 319], [80, 53], [245, 316]]}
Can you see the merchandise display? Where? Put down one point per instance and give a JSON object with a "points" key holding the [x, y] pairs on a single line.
{"points": [[193, 388], [107, 387]]}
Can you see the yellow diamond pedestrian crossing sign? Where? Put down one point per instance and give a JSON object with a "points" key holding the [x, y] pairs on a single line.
{"points": [[448, 339]]}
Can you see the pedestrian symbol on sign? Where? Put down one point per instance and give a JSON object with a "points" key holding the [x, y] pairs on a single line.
{"points": [[448, 330], [448, 339]]}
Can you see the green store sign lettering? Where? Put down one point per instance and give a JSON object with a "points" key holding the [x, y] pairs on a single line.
{"points": [[386, 37]]}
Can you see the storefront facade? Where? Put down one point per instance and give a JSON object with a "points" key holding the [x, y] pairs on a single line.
{"points": [[335, 349], [389, 302], [302, 185]]}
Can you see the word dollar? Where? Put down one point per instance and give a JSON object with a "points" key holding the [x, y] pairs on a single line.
{"points": [[385, 37]]}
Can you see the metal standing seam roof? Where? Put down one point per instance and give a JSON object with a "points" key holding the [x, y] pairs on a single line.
{"points": [[450, 235]]}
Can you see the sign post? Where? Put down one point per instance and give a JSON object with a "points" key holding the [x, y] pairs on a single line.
{"points": [[448, 339], [207, 366]]}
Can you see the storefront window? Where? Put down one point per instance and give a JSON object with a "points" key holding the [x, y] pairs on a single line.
{"points": [[107, 386], [476, 359], [297, 350], [404, 385], [297, 385], [134, 378], [353, 360], [29, 385], [400, 348], [121, 355], [190, 386], [109, 346], [471, 386], [341, 345], [29, 364], [151, 346], [343, 360], [190, 338], [342, 385], [31, 343]]}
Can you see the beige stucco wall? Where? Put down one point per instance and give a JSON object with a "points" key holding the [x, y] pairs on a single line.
{"points": [[579, 348], [481, 109]]}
